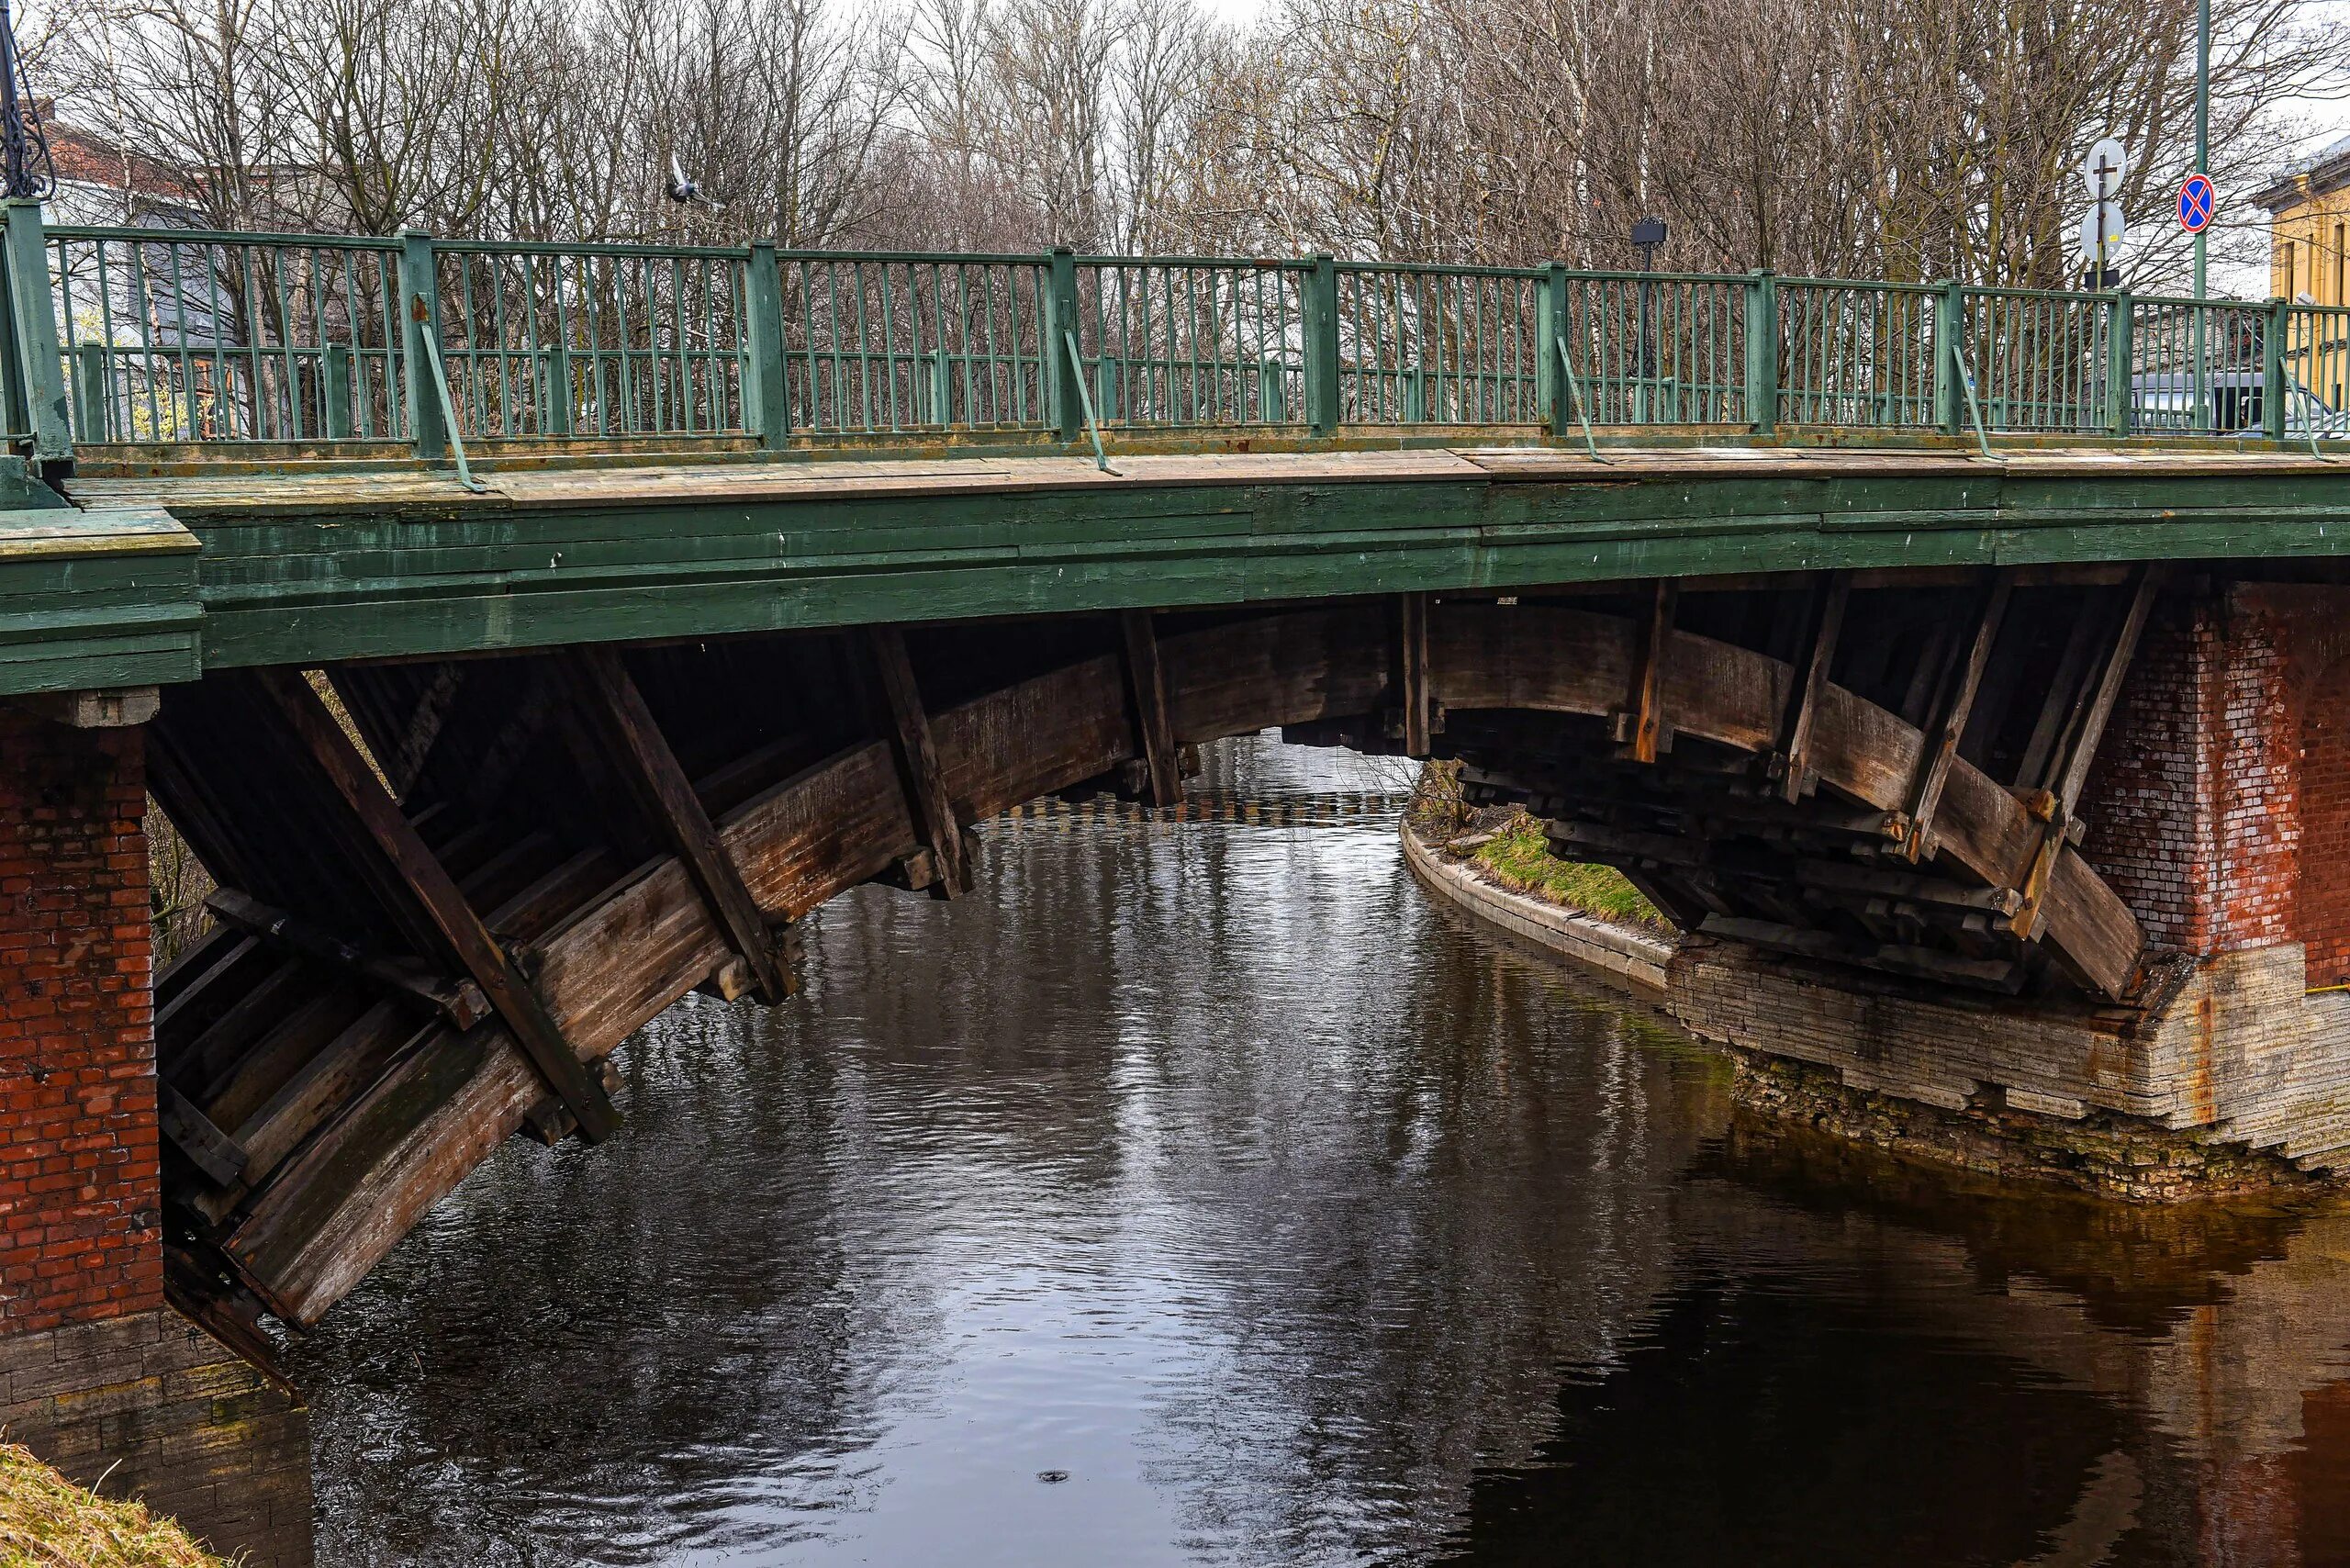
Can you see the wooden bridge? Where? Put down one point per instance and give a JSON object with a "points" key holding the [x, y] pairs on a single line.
{"points": [[526, 635]]}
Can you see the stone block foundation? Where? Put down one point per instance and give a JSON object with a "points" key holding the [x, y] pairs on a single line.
{"points": [[2227, 1076], [154, 1407]]}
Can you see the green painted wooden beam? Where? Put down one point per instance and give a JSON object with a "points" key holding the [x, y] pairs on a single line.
{"points": [[97, 598], [337, 583]]}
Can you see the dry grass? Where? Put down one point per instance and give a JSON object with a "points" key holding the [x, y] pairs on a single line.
{"points": [[46, 1522]]}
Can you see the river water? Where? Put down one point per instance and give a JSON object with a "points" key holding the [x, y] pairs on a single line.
{"points": [[1203, 1194]]}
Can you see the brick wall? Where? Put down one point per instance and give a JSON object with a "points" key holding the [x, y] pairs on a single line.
{"points": [[2325, 826], [2194, 809], [79, 1185]]}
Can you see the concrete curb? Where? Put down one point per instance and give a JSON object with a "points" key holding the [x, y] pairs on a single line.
{"points": [[1632, 959]]}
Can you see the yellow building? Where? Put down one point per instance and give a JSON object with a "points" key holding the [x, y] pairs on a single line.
{"points": [[2309, 215], [2308, 258]]}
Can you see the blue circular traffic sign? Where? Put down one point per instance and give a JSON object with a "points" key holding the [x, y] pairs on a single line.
{"points": [[2197, 203]]}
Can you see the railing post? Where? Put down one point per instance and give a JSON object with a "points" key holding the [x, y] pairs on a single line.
{"points": [[93, 371], [555, 411], [1950, 322], [1763, 354], [36, 387], [1272, 402], [1322, 346], [334, 392], [2120, 364], [1549, 326], [2272, 368], [766, 398], [1067, 399], [427, 425], [1416, 396]]}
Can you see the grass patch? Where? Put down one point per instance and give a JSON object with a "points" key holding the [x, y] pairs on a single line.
{"points": [[1519, 857], [46, 1522]]}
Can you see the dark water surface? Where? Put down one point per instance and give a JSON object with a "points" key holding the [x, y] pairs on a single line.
{"points": [[1298, 1222]]}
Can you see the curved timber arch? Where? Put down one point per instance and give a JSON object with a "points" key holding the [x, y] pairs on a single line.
{"points": [[451, 889]]}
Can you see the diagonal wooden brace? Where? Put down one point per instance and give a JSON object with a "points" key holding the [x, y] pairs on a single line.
{"points": [[1954, 703], [925, 785], [435, 896], [1147, 683], [636, 747]]}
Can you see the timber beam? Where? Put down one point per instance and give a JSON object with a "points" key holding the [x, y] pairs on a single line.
{"points": [[1823, 625], [917, 756], [649, 768], [460, 1001], [1411, 674], [1954, 705], [1154, 730], [435, 896], [1641, 727]]}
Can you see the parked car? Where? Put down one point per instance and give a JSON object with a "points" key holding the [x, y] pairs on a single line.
{"points": [[2166, 400]]}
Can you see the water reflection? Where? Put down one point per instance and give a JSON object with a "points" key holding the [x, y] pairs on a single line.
{"points": [[1297, 1223]]}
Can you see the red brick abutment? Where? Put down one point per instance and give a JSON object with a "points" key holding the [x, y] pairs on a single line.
{"points": [[99, 1375]]}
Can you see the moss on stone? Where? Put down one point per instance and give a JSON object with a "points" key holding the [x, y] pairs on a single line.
{"points": [[1518, 856]]}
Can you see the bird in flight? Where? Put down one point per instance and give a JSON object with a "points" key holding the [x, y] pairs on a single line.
{"points": [[682, 188]]}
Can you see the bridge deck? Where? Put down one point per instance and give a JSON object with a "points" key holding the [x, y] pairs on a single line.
{"points": [[311, 562], [213, 484]]}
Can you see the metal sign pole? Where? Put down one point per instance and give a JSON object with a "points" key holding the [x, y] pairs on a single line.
{"points": [[2203, 166]]}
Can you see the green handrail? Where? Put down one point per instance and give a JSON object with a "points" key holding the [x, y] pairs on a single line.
{"points": [[213, 338]]}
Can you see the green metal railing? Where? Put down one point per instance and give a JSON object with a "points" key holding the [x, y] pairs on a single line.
{"points": [[178, 336]]}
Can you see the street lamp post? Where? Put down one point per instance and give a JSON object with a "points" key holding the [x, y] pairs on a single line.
{"points": [[26, 172]]}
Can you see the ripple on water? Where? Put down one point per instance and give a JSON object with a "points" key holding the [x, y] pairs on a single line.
{"points": [[1296, 1222]]}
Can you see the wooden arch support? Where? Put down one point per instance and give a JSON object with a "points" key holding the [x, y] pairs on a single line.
{"points": [[322, 1215], [1571, 661]]}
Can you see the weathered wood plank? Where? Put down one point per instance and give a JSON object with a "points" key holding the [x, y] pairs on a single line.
{"points": [[459, 1000], [933, 811], [1154, 730], [666, 795], [437, 897]]}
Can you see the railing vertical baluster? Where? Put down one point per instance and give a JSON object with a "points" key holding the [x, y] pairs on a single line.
{"points": [[1322, 346], [769, 416], [2272, 368], [335, 392], [1763, 354], [419, 314], [2120, 364], [90, 377]]}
